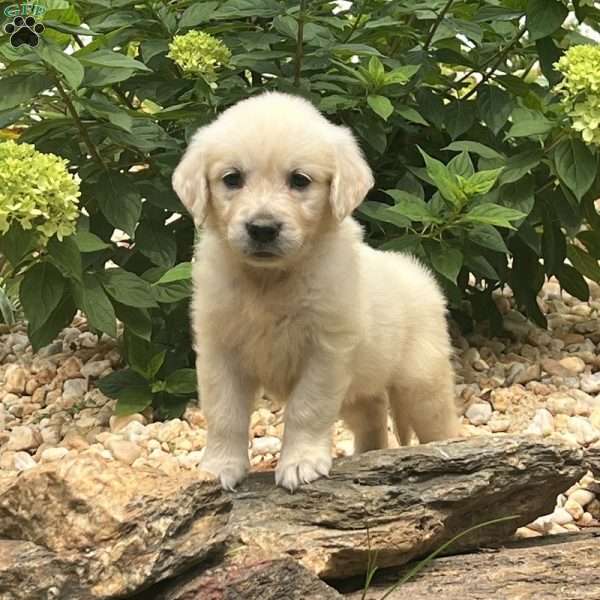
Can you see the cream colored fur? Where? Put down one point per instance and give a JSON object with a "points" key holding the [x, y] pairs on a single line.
{"points": [[330, 325]]}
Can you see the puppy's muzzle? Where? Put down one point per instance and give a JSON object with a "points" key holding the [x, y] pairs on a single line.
{"points": [[263, 232]]}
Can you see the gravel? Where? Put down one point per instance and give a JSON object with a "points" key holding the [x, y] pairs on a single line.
{"points": [[545, 383]]}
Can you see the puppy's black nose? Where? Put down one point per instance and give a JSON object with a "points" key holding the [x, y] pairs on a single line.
{"points": [[263, 232]]}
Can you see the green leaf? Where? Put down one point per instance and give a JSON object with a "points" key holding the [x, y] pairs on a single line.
{"points": [[493, 214], [481, 267], [88, 242], [66, 256], [410, 114], [133, 400], [177, 273], [94, 302], [199, 12], [445, 181], [584, 263], [172, 292], [114, 60], [401, 75], [475, 148], [495, 107], [137, 320], [17, 243], [482, 182], [127, 288], [461, 165], [573, 282], [40, 293], [381, 212], [576, 166], [143, 357], [22, 89], [120, 202], [488, 237], [66, 64], [446, 261], [117, 381], [411, 206], [131, 390], [530, 126], [381, 106], [155, 243], [520, 164], [459, 116], [544, 17], [7, 310], [60, 317], [182, 381]]}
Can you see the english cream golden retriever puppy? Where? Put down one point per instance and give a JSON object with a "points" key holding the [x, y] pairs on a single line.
{"points": [[288, 298]]}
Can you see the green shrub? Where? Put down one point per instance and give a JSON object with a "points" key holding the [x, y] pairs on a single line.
{"points": [[478, 145]]}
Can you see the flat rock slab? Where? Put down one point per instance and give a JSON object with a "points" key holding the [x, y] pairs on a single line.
{"points": [[405, 502], [124, 529], [100, 529], [248, 578], [565, 569]]}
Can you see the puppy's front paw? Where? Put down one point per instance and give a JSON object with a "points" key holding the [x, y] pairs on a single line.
{"points": [[292, 473], [229, 472]]}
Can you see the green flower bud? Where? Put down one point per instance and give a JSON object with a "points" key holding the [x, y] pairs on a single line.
{"points": [[198, 53]]}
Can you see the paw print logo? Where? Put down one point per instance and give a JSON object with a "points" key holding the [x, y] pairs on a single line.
{"points": [[24, 31]]}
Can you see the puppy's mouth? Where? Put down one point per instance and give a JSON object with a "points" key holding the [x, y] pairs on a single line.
{"points": [[264, 254]]}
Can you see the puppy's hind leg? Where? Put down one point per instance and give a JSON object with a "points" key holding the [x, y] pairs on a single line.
{"points": [[427, 405], [366, 417]]}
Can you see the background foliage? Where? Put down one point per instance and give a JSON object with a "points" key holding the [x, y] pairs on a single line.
{"points": [[479, 171]]}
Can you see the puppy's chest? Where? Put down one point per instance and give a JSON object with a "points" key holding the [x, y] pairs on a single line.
{"points": [[270, 334]]}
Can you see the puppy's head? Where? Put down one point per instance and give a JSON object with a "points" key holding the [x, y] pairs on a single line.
{"points": [[269, 175]]}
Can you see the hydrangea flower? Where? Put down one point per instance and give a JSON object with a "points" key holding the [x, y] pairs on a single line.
{"points": [[198, 53], [580, 89], [36, 191]]}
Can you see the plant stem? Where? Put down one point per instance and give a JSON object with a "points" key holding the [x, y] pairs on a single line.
{"points": [[501, 56], [82, 130], [437, 23], [355, 24], [299, 44]]}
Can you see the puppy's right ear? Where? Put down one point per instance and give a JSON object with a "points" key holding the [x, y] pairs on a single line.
{"points": [[189, 179]]}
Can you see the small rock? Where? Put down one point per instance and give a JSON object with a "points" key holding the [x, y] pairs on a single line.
{"points": [[479, 413], [95, 368], [542, 423], [499, 425], [523, 533], [117, 423], [74, 390], [124, 450], [555, 368], [24, 438], [574, 509], [595, 417], [573, 364], [264, 445], [560, 403], [591, 383], [582, 497], [561, 516], [71, 368], [53, 454], [16, 379], [23, 461], [87, 339], [583, 430]]}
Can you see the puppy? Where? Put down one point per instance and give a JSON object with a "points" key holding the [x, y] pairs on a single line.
{"points": [[288, 298]]}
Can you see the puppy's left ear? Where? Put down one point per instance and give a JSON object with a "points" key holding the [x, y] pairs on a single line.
{"points": [[352, 178], [189, 179]]}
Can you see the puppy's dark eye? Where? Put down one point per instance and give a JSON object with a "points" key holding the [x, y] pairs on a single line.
{"points": [[299, 181], [233, 180]]}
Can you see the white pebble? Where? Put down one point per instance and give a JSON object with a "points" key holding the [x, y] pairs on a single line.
{"points": [[574, 509], [583, 430], [582, 497], [542, 423], [561, 516], [479, 413], [53, 454], [23, 461], [264, 445]]}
